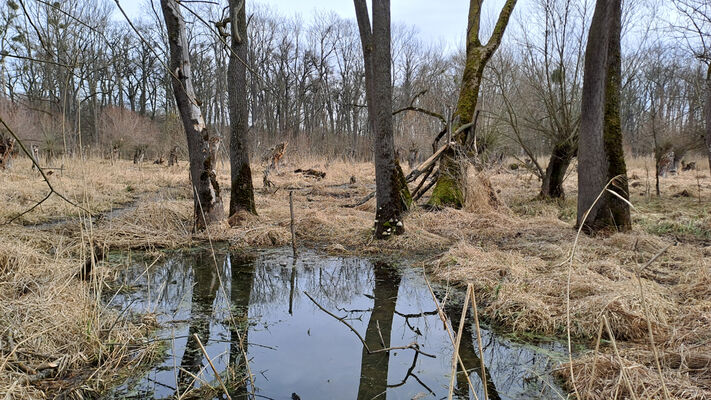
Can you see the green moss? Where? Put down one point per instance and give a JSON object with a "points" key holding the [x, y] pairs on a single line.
{"points": [[446, 193]]}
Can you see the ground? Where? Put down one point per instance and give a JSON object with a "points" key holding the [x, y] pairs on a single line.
{"points": [[515, 252]]}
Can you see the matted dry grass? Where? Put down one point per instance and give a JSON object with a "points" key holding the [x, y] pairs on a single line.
{"points": [[514, 253]]}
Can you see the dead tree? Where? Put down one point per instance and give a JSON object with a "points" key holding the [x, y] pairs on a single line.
{"points": [[139, 154], [172, 157], [242, 189], [600, 154], [208, 206], [7, 147]]}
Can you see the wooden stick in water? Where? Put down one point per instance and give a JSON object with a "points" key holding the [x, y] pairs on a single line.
{"points": [[293, 233], [212, 366]]}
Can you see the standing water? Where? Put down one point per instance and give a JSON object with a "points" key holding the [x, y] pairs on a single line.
{"points": [[297, 351]]}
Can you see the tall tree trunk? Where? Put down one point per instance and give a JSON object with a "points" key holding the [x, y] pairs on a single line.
{"points": [[707, 114], [450, 187], [392, 195], [208, 206], [600, 153], [242, 190], [561, 157]]}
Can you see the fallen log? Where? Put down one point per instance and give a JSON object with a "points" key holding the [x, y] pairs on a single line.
{"points": [[311, 172]]}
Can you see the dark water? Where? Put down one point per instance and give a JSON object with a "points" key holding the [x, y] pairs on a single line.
{"points": [[294, 347]]}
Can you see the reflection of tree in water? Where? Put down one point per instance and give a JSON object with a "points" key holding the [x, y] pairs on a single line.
{"points": [[334, 282], [374, 367], [243, 274], [206, 284]]}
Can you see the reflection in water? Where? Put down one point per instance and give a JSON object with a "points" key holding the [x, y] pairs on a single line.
{"points": [[294, 347], [205, 287], [374, 366]]}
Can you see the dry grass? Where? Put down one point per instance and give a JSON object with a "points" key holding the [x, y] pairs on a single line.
{"points": [[57, 337], [513, 253]]}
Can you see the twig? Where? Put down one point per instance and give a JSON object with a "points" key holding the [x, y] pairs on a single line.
{"points": [[619, 358], [478, 339], [458, 341], [449, 332], [361, 201], [212, 366], [597, 349], [638, 274], [413, 346], [291, 212], [340, 319]]}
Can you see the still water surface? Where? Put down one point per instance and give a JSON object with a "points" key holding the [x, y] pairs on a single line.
{"points": [[296, 349]]}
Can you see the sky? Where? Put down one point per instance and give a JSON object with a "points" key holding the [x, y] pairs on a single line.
{"points": [[442, 21]]}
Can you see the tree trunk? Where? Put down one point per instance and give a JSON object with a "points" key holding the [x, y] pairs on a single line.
{"points": [[242, 190], [707, 114], [389, 186], [451, 182], [600, 154], [562, 155], [208, 206]]}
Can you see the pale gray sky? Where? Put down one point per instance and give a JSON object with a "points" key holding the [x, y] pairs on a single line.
{"points": [[437, 21]]}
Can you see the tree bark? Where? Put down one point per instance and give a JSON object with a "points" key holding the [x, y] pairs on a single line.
{"points": [[207, 206], [600, 154], [391, 190], [707, 114], [562, 155], [242, 190], [450, 187]]}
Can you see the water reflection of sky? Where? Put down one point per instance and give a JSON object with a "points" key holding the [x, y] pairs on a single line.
{"points": [[306, 351]]}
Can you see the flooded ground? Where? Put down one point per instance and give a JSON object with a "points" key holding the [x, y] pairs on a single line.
{"points": [[298, 351]]}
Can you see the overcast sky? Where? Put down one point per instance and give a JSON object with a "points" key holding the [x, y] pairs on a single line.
{"points": [[437, 21]]}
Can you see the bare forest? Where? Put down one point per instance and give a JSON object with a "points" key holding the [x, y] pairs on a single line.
{"points": [[230, 199]]}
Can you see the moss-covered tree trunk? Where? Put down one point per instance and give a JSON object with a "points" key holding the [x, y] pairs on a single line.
{"points": [[390, 186], [241, 190], [600, 153], [552, 186], [450, 187]]}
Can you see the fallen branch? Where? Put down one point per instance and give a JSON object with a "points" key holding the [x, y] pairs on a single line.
{"points": [[424, 190], [361, 201], [311, 172]]}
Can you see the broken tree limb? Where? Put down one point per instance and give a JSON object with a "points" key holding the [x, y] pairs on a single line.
{"points": [[424, 190], [440, 117], [423, 167], [419, 170], [422, 182]]}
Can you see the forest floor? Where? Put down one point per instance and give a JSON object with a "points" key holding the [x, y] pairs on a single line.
{"points": [[57, 337]]}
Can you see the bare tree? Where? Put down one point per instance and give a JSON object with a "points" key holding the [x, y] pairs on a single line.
{"points": [[600, 154], [392, 196], [241, 191], [208, 206], [449, 190], [698, 13]]}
